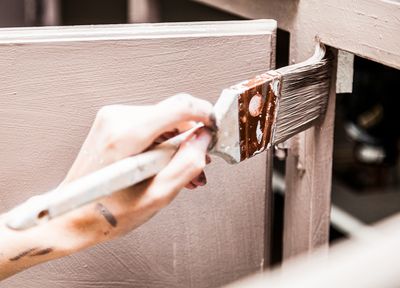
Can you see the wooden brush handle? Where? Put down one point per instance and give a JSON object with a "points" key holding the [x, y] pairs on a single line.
{"points": [[117, 176]]}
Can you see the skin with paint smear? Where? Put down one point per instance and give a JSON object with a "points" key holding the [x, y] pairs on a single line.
{"points": [[118, 131]]}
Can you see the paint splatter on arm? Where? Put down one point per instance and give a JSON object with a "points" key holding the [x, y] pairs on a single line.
{"points": [[107, 214], [32, 252], [41, 252], [22, 254]]}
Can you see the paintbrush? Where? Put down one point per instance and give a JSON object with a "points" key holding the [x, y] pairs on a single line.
{"points": [[251, 117], [272, 107]]}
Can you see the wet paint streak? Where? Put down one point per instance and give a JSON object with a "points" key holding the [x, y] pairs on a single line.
{"points": [[41, 252], [22, 254], [107, 214]]}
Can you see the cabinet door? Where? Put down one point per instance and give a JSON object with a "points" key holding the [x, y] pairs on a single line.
{"points": [[52, 83]]}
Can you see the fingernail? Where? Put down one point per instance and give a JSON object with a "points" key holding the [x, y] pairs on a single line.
{"points": [[202, 179]]}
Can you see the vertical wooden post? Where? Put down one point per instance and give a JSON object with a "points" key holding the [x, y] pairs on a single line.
{"points": [[143, 11], [51, 14], [42, 12], [308, 175], [269, 196], [309, 163]]}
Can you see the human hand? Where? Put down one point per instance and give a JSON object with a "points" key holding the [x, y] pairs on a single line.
{"points": [[118, 131]]}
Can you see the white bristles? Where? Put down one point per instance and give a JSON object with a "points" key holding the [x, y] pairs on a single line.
{"points": [[300, 94], [304, 94]]}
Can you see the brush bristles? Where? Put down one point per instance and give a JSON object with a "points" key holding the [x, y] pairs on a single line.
{"points": [[304, 95]]}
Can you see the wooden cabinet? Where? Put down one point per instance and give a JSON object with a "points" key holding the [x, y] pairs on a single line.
{"points": [[368, 28], [55, 79]]}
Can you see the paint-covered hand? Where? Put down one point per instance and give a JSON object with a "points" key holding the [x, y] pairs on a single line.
{"points": [[118, 131]]}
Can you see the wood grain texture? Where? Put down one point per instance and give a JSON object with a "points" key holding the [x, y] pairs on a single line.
{"points": [[52, 88], [368, 28]]}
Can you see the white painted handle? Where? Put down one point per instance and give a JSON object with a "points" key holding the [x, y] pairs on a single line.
{"points": [[117, 176]]}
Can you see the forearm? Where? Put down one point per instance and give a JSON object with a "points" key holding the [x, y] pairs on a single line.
{"points": [[119, 131], [23, 249], [64, 235]]}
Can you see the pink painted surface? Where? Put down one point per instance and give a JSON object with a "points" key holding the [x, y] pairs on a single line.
{"points": [[49, 94], [368, 28]]}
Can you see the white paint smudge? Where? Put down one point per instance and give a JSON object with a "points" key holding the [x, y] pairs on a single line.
{"points": [[259, 133]]}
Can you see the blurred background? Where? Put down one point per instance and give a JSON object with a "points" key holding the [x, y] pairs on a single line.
{"points": [[366, 186]]}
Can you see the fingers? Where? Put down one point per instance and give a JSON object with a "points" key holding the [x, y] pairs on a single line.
{"points": [[201, 179], [165, 136], [179, 128], [183, 108], [128, 130], [186, 165]]}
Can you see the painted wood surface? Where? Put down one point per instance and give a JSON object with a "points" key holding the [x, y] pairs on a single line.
{"points": [[54, 81], [368, 28], [309, 181], [41, 13], [358, 263], [51, 13], [309, 162]]}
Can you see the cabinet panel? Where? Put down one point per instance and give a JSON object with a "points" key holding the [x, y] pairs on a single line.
{"points": [[55, 79]]}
